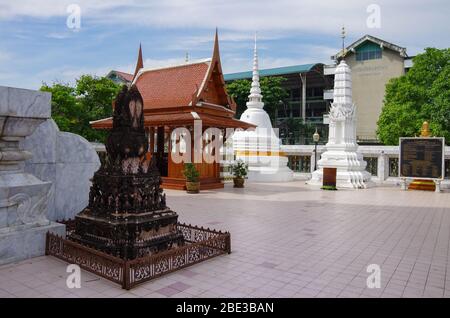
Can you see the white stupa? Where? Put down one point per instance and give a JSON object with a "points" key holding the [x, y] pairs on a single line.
{"points": [[260, 148], [341, 149]]}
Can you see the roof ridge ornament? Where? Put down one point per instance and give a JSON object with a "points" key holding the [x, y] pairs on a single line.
{"points": [[215, 69], [139, 63]]}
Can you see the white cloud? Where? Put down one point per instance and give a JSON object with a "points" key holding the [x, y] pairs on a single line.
{"points": [[55, 8], [411, 19], [58, 36], [410, 23], [68, 74], [303, 54], [4, 56]]}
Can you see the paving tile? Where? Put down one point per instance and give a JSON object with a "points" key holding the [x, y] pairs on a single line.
{"points": [[288, 240], [268, 265], [167, 291], [180, 286], [187, 273]]}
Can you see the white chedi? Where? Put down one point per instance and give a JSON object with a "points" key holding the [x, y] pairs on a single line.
{"points": [[260, 148], [341, 149]]}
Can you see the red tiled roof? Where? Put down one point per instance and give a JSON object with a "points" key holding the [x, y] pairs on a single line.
{"points": [[172, 86]]}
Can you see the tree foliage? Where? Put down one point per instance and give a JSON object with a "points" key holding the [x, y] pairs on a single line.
{"points": [[423, 94], [271, 89], [73, 107]]}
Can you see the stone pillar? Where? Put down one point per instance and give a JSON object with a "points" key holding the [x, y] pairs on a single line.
{"points": [[23, 197], [437, 185], [381, 171]]}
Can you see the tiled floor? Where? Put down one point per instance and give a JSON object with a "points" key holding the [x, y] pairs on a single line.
{"points": [[288, 240]]}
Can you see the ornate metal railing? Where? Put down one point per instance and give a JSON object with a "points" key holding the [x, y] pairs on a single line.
{"points": [[393, 166], [300, 163], [372, 165], [201, 244], [102, 264]]}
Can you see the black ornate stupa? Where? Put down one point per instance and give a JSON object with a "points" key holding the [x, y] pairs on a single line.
{"points": [[127, 214]]}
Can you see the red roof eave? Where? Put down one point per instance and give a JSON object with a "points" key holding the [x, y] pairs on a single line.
{"points": [[180, 120]]}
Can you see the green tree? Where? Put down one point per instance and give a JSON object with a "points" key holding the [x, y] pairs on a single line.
{"points": [[271, 89], [422, 94], [74, 107]]}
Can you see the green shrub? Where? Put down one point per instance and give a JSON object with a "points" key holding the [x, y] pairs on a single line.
{"points": [[191, 173]]}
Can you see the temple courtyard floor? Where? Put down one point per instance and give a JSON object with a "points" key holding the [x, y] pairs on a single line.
{"points": [[288, 240]]}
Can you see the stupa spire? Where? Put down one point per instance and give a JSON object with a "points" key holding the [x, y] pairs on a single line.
{"points": [[343, 41], [255, 97]]}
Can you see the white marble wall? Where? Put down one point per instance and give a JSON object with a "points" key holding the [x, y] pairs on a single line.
{"points": [[17, 102], [68, 161], [24, 198]]}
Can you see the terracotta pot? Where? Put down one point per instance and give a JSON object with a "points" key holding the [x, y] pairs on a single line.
{"points": [[192, 187], [238, 182]]}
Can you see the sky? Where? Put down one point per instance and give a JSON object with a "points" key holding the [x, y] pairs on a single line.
{"points": [[41, 41]]}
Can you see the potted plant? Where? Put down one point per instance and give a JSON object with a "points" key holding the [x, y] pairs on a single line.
{"points": [[192, 178], [239, 170]]}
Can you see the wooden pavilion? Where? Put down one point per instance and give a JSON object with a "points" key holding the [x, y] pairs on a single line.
{"points": [[179, 96]]}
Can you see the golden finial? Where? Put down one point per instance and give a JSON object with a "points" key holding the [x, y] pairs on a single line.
{"points": [[425, 131], [343, 40]]}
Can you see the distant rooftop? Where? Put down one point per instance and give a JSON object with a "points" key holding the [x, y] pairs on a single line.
{"points": [[294, 69], [369, 38]]}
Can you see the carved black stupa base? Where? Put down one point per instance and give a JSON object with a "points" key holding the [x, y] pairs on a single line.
{"points": [[131, 236]]}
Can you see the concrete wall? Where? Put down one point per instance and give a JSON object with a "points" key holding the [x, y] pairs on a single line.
{"points": [[369, 79]]}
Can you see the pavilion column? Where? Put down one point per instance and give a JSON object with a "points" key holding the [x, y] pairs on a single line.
{"points": [[151, 141], [169, 149], [160, 149]]}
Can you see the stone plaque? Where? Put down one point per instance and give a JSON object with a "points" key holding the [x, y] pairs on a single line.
{"points": [[422, 158], [329, 177]]}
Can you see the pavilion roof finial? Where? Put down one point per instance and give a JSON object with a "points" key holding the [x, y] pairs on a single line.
{"points": [[139, 63], [216, 54], [216, 44]]}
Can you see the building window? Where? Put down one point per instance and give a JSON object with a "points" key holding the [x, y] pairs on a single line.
{"points": [[368, 55], [393, 167], [372, 165], [300, 163]]}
